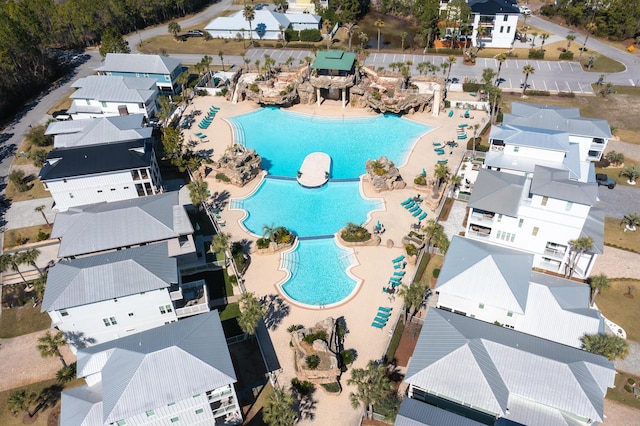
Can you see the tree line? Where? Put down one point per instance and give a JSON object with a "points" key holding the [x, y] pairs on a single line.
{"points": [[32, 30]]}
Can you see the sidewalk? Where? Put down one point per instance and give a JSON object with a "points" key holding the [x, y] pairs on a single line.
{"points": [[23, 214]]}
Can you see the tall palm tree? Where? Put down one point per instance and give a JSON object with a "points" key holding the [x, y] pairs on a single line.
{"points": [[251, 311], [379, 24], [49, 345], [206, 62], [527, 70], [278, 409], [442, 173], [578, 247], [630, 221], [249, 15], [174, 28], [403, 36], [20, 400], [220, 242], [30, 257], [40, 209], [480, 32], [350, 28], [199, 193], [598, 283], [372, 386], [39, 286], [533, 40], [570, 37], [608, 345], [591, 28], [500, 58], [13, 262], [431, 230], [631, 173], [412, 294], [450, 61], [221, 56], [363, 38], [544, 37], [269, 232], [183, 80]]}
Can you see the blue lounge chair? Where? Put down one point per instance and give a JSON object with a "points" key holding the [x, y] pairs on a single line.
{"points": [[409, 205], [437, 144], [417, 212], [422, 216], [440, 152], [407, 201], [381, 320], [399, 273], [398, 259], [377, 325], [443, 161], [400, 265], [414, 208], [451, 113], [383, 314], [396, 279], [385, 309]]}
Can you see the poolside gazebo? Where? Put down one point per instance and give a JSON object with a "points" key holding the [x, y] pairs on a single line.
{"points": [[334, 74]]}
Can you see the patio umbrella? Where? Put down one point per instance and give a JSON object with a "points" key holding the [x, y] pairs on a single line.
{"points": [[378, 224], [424, 173]]}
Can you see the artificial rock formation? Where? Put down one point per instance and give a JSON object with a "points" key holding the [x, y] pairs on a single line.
{"points": [[384, 175], [328, 370], [239, 164]]}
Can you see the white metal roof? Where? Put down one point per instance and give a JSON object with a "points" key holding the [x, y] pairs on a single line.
{"points": [[106, 88], [74, 133], [139, 63]]}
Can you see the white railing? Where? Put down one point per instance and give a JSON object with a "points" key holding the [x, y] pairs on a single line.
{"points": [[217, 395], [479, 217], [478, 234], [176, 295], [192, 310], [554, 253]]}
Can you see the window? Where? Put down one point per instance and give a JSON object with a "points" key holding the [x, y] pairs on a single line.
{"points": [[99, 191], [196, 395], [472, 316], [170, 404], [175, 419], [501, 29], [141, 105], [499, 218], [513, 237], [509, 314], [535, 231], [121, 423], [499, 235], [545, 200], [151, 413], [130, 314], [64, 313], [505, 18], [104, 104], [199, 411], [70, 195], [107, 322], [481, 306], [126, 187], [569, 205], [516, 149], [88, 102], [520, 222], [165, 309], [113, 189], [508, 29]]}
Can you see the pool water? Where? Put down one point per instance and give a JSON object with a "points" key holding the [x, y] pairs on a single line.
{"points": [[305, 211], [283, 139], [318, 266]]}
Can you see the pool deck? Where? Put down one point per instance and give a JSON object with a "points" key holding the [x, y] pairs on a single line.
{"points": [[375, 265]]}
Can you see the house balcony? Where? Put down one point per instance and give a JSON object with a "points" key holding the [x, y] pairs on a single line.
{"points": [[194, 300], [479, 231], [556, 254], [479, 216]]}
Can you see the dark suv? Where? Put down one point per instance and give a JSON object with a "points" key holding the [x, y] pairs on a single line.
{"points": [[605, 180]]}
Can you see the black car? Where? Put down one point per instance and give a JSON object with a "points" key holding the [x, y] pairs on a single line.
{"points": [[605, 180], [61, 115], [195, 33]]}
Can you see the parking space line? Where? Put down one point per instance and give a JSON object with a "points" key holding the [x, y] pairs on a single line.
{"points": [[549, 65], [545, 85], [557, 88], [632, 83]]}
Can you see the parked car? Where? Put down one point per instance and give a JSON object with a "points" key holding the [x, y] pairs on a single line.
{"points": [[605, 180], [524, 10], [195, 33], [61, 115]]}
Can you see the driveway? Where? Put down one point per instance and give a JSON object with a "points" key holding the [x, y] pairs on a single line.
{"points": [[619, 201]]}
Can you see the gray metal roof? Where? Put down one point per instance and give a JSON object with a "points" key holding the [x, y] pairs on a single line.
{"points": [[487, 273], [594, 227], [109, 275], [550, 140], [416, 413], [106, 88], [81, 406], [121, 128], [153, 368], [555, 183], [497, 192], [105, 226], [557, 118], [139, 63], [490, 367]]}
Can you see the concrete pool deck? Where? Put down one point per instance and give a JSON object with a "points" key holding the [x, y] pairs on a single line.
{"points": [[375, 263]]}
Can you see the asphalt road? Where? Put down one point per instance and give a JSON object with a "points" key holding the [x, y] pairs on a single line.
{"points": [[619, 201]]}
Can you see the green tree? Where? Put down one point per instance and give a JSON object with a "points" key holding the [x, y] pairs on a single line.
{"points": [[39, 286], [403, 36], [18, 179], [630, 222], [172, 142], [412, 294], [29, 257], [221, 56], [174, 28], [578, 247], [442, 172], [570, 37], [450, 61], [165, 110], [66, 374], [527, 70], [278, 409], [500, 58], [198, 192], [49, 345], [350, 28], [40, 209], [544, 37], [631, 173], [372, 386], [206, 62], [112, 42], [488, 76], [38, 137], [220, 242], [615, 158], [379, 24], [251, 311], [608, 345], [249, 15], [598, 283], [20, 400], [183, 81], [13, 262]]}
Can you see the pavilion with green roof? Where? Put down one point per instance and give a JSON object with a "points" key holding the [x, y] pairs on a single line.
{"points": [[334, 74]]}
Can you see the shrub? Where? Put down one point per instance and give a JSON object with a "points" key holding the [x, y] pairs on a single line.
{"points": [[42, 235], [447, 103], [331, 387], [291, 35], [631, 381], [471, 87], [603, 163], [531, 92], [436, 273], [223, 177], [347, 356], [566, 56], [256, 43], [310, 35], [223, 92], [355, 233], [376, 95], [294, 327], [312, 361], [628, 388], [18, 178], [37, 137], [536, 54], [38, 156], [254, 88], [420, 180], [411, 250], [320, 335], [566, 95], [549, 10], [262, 243], [303, 388]]}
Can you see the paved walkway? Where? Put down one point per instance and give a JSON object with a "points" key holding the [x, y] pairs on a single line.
{"points": [[22, 213]]}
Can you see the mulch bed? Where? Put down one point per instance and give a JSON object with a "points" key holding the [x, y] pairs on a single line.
{"points": [[407, 343]]}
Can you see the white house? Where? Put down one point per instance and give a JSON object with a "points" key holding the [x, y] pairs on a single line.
{"points": [[496, 284], [498, 20], [180, 373], [305, 6], [107, 159], [164, 69], [96, 228], [105, 95], [267, 25], [495, 375]]}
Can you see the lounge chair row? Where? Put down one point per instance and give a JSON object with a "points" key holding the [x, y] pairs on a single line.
{"points": [[382, 316], [443, 161], [201, 135]]}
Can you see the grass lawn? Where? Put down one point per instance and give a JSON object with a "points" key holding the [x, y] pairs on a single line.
{"points": [[614, 172], [624, 311], [395, 341], [228, 317], [619, 394], [20, 236], [434, 263], [63, 103], [615, 236], [26, 147], [22, 320], [37, 191]]}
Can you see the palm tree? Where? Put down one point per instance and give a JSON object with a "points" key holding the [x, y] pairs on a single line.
{"points": [[591, 28], [174, 28], [269, 232], [39, 285], [21, 400], [198, 192], [281, 28], [598, 283], [543, 37], [379, 24], [631, 173], [49, 345], [570, 37], [65, 375], [183, 80], [349, 28], [13, 262], [533, 40], [450, 61], [372, 386], [40, 209], [578, 247], [251, 311], [412, 294], [403, 36], [363, 38], [442, 173], [614, 157], [500, 58], [278, 409], [221, 56], [630, 221], [206, 62], [480, 32], [30, 256], [526, 70], [608, 345], [220, 242], [249, 14], [455, 180]]}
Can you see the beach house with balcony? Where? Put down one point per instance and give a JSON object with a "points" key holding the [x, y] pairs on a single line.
{"points": [[103, 159], [494, 22], [179, 373], [495, 375], [105, 95], [164, 69], [497, 285]]}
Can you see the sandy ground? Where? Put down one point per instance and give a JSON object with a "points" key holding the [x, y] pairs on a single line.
{"points": [[619, 415], [375, 264], [21, 363]]}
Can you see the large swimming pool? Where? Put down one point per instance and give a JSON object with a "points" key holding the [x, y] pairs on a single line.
{"points": [[318, 266]]}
